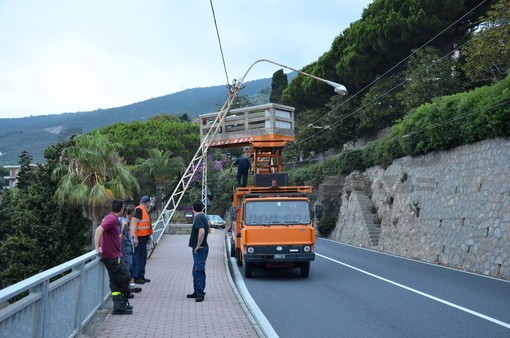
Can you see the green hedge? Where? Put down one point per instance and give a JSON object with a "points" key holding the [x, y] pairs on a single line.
{"points": [[446, 123]]}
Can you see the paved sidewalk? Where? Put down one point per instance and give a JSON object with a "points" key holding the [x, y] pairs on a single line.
{"points": [[162, 309]]}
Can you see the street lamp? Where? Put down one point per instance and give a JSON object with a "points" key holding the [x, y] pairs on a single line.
{"points": [[339, 89]]}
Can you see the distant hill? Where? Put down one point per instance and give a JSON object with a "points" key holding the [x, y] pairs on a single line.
{"points": [[34, 134]]}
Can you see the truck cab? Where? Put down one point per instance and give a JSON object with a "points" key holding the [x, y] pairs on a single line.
{"points": [[273, 228]]}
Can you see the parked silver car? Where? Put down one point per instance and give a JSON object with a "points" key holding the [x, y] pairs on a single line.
{"points": [[216, 221]]}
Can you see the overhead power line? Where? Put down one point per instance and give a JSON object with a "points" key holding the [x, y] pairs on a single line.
{"points": [[376, 99], [387, 72], [219, 42]]}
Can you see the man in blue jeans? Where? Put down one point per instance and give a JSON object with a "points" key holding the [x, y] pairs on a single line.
{"points": [[141, 230], [200, 250]]}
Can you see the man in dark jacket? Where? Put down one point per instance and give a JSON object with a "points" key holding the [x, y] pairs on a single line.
{"points": [[243, 167], [200, 250]]}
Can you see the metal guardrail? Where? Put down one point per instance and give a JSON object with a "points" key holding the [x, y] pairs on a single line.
{"points": [[60, 301], [57, 302]]}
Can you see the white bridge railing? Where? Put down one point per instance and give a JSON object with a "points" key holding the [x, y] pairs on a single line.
{"points": [[57, 302]]}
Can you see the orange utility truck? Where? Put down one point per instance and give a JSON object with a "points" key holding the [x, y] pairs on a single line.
{"points": [[272, 225]]}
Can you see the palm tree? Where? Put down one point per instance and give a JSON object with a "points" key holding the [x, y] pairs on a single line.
{"points": [[92, 174], [162, 167]]}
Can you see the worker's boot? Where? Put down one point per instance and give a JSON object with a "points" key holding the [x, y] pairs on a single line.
{"points": [[119, 305], [126, 299]]}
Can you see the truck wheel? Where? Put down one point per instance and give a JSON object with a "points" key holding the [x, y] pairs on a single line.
{"points": [[248, 270], [305, 269], [239, 260]]}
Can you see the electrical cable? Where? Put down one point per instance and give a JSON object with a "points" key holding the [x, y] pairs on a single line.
{"points": [[388, 71], [414, 52], [387, 92], [219, 42], [454, 118]]}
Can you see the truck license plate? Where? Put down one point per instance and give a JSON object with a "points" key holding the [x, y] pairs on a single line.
{"points": [[279, 256]]}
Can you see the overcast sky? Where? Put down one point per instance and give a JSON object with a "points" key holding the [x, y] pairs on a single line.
{"points": [[61, 56]]}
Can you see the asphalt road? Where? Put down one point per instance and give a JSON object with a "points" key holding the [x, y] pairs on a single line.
{"points": [[353, 292]]}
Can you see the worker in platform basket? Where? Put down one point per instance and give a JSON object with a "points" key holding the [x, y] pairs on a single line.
{"points": [[243, 167]]}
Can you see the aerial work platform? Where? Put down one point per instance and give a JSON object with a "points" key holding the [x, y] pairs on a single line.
{"points": [[263, 129], [242, 125]]}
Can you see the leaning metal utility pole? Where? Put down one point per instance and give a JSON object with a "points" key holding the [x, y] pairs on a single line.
{"points": [[199, 159], [204, 181]]}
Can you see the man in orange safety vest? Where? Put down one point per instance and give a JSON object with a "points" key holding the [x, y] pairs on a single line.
{"points": [[141, 231]]}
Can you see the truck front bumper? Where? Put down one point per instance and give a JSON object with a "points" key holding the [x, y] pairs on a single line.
{"points": [[279, 258]]}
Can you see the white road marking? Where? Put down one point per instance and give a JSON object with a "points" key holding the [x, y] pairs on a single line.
{"points": [[480, 315]]}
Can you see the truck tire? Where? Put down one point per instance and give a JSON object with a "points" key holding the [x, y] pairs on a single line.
{"points": [[305, 269], [248, 270], [239, 259]]}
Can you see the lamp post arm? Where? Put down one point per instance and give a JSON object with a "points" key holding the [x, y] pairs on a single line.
{"points": [[339, 89]]}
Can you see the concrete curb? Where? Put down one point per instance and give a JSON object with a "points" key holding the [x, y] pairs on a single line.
{"points": [[253, 312]]}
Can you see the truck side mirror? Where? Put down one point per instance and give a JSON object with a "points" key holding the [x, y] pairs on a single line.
{"points": [[318, 211], [233, 214]]}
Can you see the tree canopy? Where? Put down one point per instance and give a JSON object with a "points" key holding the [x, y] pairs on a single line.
{"points": [[400, 55], [164, 169], [91, 174], [180, 138], [380, 42], [488, 53], [37, 233]]}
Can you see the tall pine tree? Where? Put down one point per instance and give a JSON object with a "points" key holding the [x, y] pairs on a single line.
{"points": [[278, 85]]}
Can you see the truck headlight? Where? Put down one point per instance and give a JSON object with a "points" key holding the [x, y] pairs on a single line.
{"points": [[307, 248], [251, 250]]}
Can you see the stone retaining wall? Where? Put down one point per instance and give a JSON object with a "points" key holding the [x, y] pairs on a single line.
{"points": [[450, 207]]}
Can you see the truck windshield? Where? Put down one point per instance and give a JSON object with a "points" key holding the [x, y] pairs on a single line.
{"points": [[277, 212]]}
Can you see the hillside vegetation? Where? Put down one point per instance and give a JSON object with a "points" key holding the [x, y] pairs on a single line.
{"points": [[35, 133]]}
